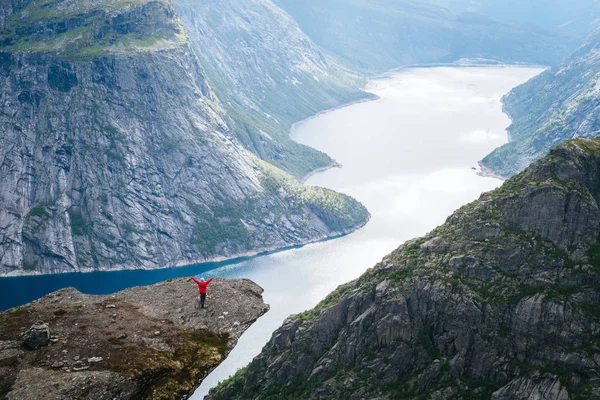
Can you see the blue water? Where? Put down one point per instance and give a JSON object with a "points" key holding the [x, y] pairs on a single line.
{"points": [[15, 291]]}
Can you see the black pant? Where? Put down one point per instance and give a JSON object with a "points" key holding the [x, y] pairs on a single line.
{"points": [[202, 298]]}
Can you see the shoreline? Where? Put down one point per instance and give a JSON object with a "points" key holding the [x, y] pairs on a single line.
{"points": [[220, 261], [239, 257], [454, 64], [483, 171], [370, 97], [334, 164], [487, 172]]}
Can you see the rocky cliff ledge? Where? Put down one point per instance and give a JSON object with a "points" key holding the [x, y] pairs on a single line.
{"points": [[146, 342], [500, 302]]}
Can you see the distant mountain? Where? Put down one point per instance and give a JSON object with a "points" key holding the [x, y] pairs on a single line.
{"points": [[376, 35], [500, 302], [557, 105], [576, 17], [116, 153]]}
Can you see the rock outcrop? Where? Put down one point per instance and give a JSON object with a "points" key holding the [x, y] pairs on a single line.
{"points": [[115, 152], [560, 104], [36, 336], [500, 302], [144, 342]]}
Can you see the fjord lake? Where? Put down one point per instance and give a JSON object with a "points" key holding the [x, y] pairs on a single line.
{"points": [[410, 157]]}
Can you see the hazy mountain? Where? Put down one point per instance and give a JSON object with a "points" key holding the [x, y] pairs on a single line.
{"points": [[115, 151], [577, 17], [500, 302], [557, 105], [382, 34]]}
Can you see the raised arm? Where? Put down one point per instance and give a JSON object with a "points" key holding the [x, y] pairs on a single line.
{"points": [[195, 280], [208, 281]]}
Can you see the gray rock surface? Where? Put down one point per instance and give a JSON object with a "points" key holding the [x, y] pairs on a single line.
{"points": [[115, 153], [38, 383], [500, 302], [153, 343], [36, 336]]}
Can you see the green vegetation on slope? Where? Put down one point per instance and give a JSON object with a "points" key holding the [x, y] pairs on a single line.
{"points": [[84, 30], [268, 136], [339, 212]]}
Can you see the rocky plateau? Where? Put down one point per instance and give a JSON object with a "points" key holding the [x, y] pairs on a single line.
{"points": [[150, 342]]}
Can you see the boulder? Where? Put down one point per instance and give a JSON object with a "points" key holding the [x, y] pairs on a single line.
{"points": [[36, 336]]}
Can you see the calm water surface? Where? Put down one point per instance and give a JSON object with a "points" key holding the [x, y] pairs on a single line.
{"points": [[408, 157]]}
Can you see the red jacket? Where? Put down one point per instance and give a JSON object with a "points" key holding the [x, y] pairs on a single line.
{"points": [[202, 285]]}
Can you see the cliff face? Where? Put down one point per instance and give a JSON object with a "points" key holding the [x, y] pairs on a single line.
{"points": [[116, 153], [500, 302], [557, 105], [147, 342], [267, 73], [377, 35]]}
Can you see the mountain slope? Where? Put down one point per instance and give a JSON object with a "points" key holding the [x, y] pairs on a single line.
{"points": [[377, 35], [115, 152], [268, 75], [557, 105], [500, 302]]}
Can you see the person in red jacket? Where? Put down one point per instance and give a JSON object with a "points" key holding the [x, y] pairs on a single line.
{"points": [[202, 284]]}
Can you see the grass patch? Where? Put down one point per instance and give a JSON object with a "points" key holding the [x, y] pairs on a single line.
{"points": [[40, 211], [174, 375], [90, 30], [79, 227], [338, 211]]}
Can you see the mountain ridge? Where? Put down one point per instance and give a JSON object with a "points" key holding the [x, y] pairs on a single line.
{"points": [[378, 35]]}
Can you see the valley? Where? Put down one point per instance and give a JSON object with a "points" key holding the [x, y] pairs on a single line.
{"points": [[292, 146]]}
